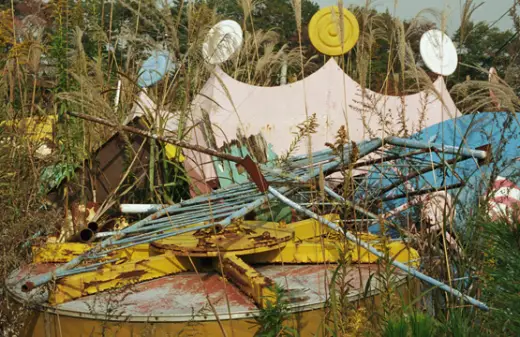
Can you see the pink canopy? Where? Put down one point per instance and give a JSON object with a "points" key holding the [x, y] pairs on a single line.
{"points": [[336, 99]]}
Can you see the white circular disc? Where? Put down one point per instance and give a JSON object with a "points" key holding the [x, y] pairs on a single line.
{"points": [[438, 52], [222, 41]]}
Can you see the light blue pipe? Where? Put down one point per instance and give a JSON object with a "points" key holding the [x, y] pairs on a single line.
{"points": [[237, 190], [186, 222], [168, 223], [215, 209], [155, 238], [314, 154], [315, 159], [338, 197], [412, 271], [414, 144], [60, 273], [368, 147]]}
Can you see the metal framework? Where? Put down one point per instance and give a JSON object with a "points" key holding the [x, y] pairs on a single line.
{"points": [[224, 206]]}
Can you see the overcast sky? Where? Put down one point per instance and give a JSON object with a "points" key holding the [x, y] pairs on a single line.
{"points": [[490, 11]]}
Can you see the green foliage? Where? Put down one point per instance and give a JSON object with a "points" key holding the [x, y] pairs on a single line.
{"points": [[416, 324], [275, 15], [59, 43], [422, 325], [459, 324], [396, 328], [273, 318], [378, 57], [165, 180], [275, 212], [502, 275], [478, 47], [173, 182]]}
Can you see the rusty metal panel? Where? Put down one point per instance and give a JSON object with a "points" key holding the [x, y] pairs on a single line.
{"points": [[58, 252], [115, 277], [109, 163], [187, 296], [241, 238], [247, 279], [111, 160], [53, 252]]}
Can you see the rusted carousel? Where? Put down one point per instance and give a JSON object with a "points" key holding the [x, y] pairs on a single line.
{"points": [[200, 283]]}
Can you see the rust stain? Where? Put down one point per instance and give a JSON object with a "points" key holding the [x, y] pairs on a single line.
{"points": [[134, 274], [131, 274], [267, 282], [93, 284], [231, 264], [215, 284], [83, 213], [237, 278]]}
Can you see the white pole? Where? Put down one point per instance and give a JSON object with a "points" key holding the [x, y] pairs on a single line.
{"points": [[283, 73], [140, 208], [118, 94]]}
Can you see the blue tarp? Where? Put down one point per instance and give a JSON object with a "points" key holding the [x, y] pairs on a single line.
{"points": [[500, 130]]}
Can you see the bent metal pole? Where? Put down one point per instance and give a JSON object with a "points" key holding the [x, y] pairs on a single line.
{"points": [[412, 271]]}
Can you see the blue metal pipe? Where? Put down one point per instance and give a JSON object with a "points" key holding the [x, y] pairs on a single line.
{"points": [[314, 159], [214, 209], [365, 148], [60, 273], [412, 271], [205, 211], [47, 277], [172, 226], [338, 197], [203, 207], [197, 200], [167, 223], [153, 239], [414, 144], [314, 154]]}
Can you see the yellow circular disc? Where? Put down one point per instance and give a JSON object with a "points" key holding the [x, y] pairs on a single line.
{"points": [[325, 31]]}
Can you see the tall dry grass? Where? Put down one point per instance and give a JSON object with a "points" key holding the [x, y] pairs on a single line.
{"points": [[54, 66]]}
